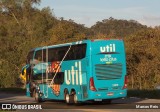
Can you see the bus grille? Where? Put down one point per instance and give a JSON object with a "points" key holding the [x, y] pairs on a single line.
{"points": [[108, 71]]}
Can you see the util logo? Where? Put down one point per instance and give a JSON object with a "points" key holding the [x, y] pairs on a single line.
{"points": [[74, 76], [108, 48]]}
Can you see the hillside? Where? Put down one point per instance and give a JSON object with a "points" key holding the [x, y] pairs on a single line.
{"points": [[116, 28], [23, 27]]}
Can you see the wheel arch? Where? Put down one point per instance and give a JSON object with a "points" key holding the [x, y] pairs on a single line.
{"points": [[73, 91]]}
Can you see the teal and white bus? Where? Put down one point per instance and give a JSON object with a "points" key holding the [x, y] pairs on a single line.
{"points": [[88, 70]]}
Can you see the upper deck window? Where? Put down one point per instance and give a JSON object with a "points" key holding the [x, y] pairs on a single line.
{"points": [[30, 56], [76, 52], [41, 55]]}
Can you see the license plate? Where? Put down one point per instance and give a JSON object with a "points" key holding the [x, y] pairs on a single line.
{"points": [[110, 94], [97, 99]]}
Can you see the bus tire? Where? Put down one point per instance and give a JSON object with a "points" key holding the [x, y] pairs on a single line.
{"points": [[32, 89], [68, 98], [75, 100], [38, 99], [65, 93]]}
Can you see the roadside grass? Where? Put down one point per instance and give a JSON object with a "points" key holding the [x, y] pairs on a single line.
{"points": [[153, 94], [13, 90]]}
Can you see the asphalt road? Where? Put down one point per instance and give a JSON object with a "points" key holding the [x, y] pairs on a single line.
{"points": [[118, 105]]}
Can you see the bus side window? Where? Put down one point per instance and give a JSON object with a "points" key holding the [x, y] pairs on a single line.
{"points": [[44, 55], [70, 55], [62, 52], [78, 55], [76, 52], [41, 55], [52, 54], [59, 79], [29, 57], [38, 55], [82, 51]]}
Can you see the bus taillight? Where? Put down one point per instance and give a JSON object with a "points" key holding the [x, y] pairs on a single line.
{"points": [[125, 82], [91, 83]]}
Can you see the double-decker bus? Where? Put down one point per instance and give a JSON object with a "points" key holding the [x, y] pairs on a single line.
{"points": [[88, 70]]}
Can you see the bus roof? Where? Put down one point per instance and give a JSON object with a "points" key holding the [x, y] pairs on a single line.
{"points": [[71, 43]]}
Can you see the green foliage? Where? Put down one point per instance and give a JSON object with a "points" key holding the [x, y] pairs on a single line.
{"points": [[23, 27], [8, 71], [114, 28], [143, 58], [66, 30]]}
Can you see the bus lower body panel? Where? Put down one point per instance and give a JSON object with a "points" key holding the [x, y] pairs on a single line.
{"points": [[99, 95]]}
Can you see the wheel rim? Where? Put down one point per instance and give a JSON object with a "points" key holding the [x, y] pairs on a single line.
{"points": [[75, 98], [67, 98]]}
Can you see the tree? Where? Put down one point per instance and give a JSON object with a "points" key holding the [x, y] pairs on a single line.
{"points": [[143, 58]]}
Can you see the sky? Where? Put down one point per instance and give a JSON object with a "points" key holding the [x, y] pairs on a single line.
{"points": [[88, 12]]}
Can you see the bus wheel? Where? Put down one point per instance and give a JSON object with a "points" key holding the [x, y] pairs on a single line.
{"points": [[31, 89], [68, 99], [75, 98], [38, 99], [65, 93]]}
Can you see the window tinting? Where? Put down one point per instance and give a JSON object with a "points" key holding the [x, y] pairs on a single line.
{"points": [[41, 55], [30, 56], [76, 52], [59, 78]]}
